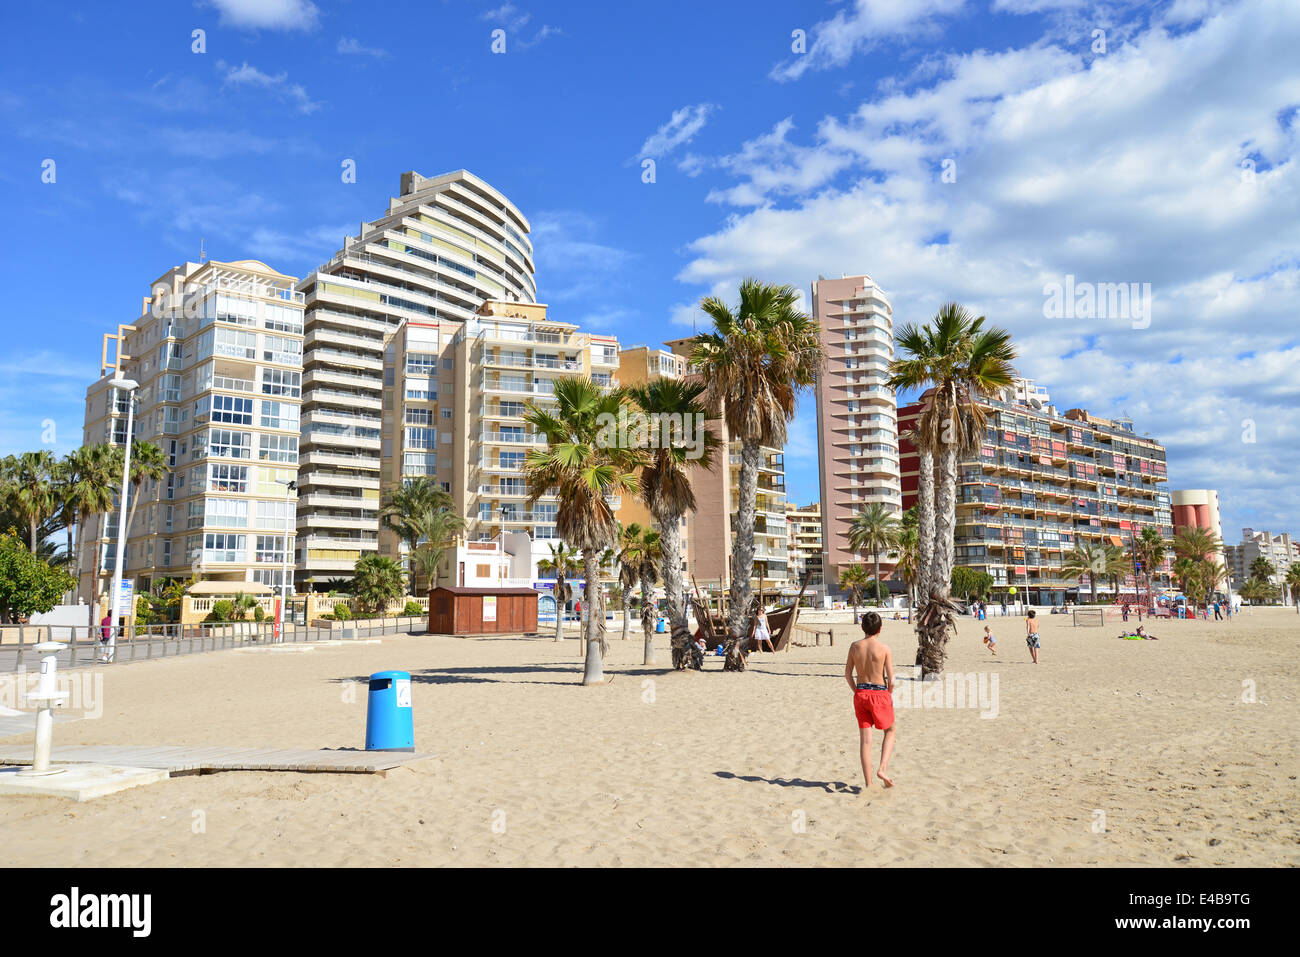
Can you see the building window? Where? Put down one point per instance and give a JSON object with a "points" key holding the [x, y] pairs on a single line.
{"points": [[222, 547], [277, 448], [229, 444], [227, 478], [279, 415], [229, 408], [270, 548], [281, 382], [421, 363]]}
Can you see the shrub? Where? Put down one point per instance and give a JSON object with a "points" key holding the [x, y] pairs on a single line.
{"points": [[222, 610], [413, 609], [259, 613], [342, 612], [327, 616]]}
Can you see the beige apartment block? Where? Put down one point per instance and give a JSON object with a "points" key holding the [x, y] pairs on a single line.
{"points": [[857, 415], [711, 526], [380, 388], [511, 354], [804, 530], [217, 352]]}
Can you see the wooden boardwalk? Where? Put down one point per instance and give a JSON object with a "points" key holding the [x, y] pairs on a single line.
{"points": [[194, 760]]}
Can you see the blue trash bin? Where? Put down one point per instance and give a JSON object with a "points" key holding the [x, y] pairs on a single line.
{"points": [[660, 627], [390, 721]]}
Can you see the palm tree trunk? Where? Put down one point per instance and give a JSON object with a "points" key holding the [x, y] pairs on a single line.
{"points": [[593, 673], [924, 523], [559, 606], [742, 557], [647, 624], [670, 540], [33, 525], [75, 561], [935, 622], [626, 617], [875, 558]]}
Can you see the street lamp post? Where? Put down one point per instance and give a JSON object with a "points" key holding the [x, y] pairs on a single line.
{"points": [[289, 486], [129, 385]]}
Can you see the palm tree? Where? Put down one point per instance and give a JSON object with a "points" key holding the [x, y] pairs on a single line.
{"points": [[640, 557], [1088, 559], [853, 579], [665, 484], [1118, 565], [377, 580], [435, 533], [874, 529], [1149, 551], [409, 504], [148, 461], [564, 562], [585, 474], [1262, 569], [29, 489], [962, 362], [908, 555], [629, 568], [753, 365], [1293, 583], [84, 480]]}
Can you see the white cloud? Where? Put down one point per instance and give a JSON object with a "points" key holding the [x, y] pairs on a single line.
{"points": [[680, 129], [246, 75], [353, 46], [1125, 167], [866, 24], [574, 263], [507, 15], [268, 14]]}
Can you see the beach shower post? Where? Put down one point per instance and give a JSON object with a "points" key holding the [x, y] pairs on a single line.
{"points": [[47, 696]]}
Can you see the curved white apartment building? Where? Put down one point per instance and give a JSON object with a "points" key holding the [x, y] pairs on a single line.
{"points": [[388, 307], [857, 415]]}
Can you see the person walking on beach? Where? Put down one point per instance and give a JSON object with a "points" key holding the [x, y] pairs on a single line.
{"points": [[873, 664], [1125, 611], [105, 632], [1218, 615], [1031, 634]]}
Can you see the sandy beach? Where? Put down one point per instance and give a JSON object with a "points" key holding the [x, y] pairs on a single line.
{"points": [[1172, 752]]}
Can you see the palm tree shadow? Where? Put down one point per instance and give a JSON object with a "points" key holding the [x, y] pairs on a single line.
{"points": [[830, 787]]}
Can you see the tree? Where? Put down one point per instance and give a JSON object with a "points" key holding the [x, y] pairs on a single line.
{"points": [[1086, 558], [434, 532], [629, 567], [665, 485], [874, 529], [377, 580], [753, 365], [27, 585], [971, 584], [84, 483], [1262, 569], [908, 556], [853, 579], [564, 562], [1293, 583], [1149, 552], [963, 363], [28, 485], [148, 461], [585, 472], [640, 555], [1118, 566], [408, 506]]}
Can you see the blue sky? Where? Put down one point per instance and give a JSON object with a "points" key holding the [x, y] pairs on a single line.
{"points": [[1166, 156]]}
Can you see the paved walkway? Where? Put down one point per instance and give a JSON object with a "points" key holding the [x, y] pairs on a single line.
{"points": [[179, 760]]}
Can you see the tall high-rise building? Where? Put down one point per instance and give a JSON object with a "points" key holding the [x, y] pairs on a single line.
{"points": [[217, 355], [857, 417], [445, 246], [1042, 482]]}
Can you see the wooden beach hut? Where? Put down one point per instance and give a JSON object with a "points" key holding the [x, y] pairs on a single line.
{"points": [[460, 610]]}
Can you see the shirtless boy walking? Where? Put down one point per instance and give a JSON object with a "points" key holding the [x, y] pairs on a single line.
{"points": [[873, 703]]}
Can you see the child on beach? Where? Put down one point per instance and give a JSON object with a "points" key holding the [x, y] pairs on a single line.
{"points": [[1031, 634], [990, 640], [873, 703]]}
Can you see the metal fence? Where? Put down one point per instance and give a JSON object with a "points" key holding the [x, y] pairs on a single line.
{"points": [[85, 647]]}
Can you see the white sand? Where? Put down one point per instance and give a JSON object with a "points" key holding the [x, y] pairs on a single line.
{"points": [[682, 768]]}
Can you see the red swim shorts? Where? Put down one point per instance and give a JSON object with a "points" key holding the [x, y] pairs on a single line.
{"points": [[874, 708]]}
